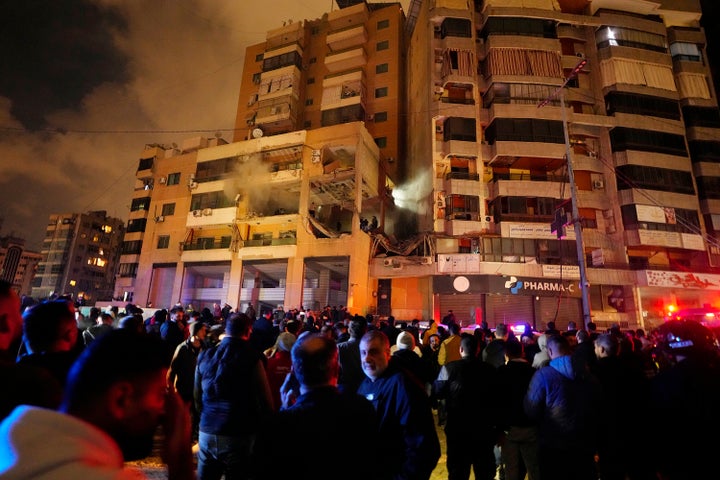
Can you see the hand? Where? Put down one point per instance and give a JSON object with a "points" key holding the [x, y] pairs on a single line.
{"points": [[289, 391]]}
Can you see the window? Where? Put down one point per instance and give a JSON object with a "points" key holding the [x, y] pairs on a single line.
{"points": [[256, 78], [315, 30], [654, 178], [383, 24], [624, 102], [128, 269], [140, 204], [462, 207], [527, 27], [173, 178], [259, 57], [202, 201], [524, 130], [623, 138], [382, 68], [131, 247], [701, 116], [283, 60], [380, 117], [136, 225], [460, 128], [627, 37], [311, 80], [381, 142], [215, 169], [381, 92], [456, 27], [335, 116], [688, 52], [384, 45], [145, 163], [168, 209], [308, 102], [163, 241]]}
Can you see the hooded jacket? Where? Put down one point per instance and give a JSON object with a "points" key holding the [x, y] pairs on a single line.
{"points": [[44, 444], [564, 404]]}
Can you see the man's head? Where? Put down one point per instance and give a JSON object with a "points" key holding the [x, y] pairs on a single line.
{"points": [[606, 345], [198, 331], [358, 327], [572, 325], [557, 346], [501, 331], [238, 325], [513, 349], [10, 318], [374, 353], [468, 346], [118, 385], [177, 314], [405, 341], [454, 329], [315, 361], [105, 318], [50, 327], [434, 341]]}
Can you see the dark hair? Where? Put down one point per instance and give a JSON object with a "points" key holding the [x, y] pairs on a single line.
{"points": [[116, 356], [44, 322], [5, 288], [454, 328], [358, 327], [315, 359], [469, 344], [513, 348], [238, 324], [559, 343]]}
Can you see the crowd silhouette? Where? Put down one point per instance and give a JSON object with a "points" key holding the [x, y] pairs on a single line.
{"points": [[329, 394]]}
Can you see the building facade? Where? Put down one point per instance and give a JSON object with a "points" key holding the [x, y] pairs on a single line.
{"points": [[79, 257], [17, 264], [284, 214], [639, 124], [447, 124]]}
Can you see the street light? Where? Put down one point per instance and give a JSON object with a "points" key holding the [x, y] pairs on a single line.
{"points": [[584, 284]]}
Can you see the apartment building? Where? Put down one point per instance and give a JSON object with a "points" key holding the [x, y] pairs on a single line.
{"points": [[639, 122], [277, 217], [79, 256], [17, 264]]}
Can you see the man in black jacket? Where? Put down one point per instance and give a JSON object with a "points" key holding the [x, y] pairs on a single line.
{"points": [[469, 387], [320, 413], [232, 395]]}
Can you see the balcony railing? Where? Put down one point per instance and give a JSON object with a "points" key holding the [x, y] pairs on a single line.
{"points": [[468, 216], [529, 177], [207, 244], [462, 101], [462, 176], [268, 242]]}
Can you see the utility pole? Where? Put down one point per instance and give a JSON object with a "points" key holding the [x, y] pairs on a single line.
{"points": [[584, 284]]}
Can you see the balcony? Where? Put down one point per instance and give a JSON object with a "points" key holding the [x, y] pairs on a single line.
{"points": [[211, 216], [346, 60], [280, 115], [207, 243], [462, 176], [352, 36], [348, 16], [266, 242]]}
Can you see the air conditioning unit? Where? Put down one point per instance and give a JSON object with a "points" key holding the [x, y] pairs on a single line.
{"points": [[162, 179], [197, 213], [192, 185], [441, 202], [439, 90], [426, 261], [388, 262], [598, 184], [160, 219], [207, 211]]}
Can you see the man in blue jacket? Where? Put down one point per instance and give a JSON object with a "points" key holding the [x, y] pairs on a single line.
{"points": [[407, 443], [565, 404]]}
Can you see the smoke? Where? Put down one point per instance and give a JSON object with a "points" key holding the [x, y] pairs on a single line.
{"points": [[413, 195], [263, 197]]}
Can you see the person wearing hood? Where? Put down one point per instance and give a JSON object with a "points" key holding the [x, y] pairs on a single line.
{"points": [[565, 403]]}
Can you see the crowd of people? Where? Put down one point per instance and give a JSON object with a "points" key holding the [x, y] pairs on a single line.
{"points": [[329, 394]]}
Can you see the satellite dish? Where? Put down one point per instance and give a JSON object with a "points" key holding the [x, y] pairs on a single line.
{"points": [[257, 133]]}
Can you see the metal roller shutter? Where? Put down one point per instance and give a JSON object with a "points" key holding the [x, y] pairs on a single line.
{"points": [[463, 306], [510, 309], [567, 309]]}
